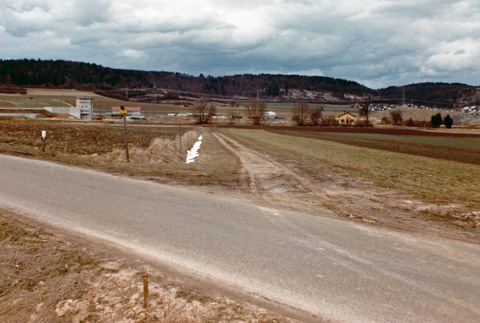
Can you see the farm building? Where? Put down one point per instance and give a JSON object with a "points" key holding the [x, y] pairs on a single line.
{"points": [[347, 119], [83, 110], [85, 107]]}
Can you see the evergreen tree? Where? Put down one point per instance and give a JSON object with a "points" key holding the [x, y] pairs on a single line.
{"points": [[448, 121], [436, 120]]}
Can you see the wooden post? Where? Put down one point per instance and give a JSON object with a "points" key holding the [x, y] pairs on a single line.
{"points": [[124, 112], [145, 290]]}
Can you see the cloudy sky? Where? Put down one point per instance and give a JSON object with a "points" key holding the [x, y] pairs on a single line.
{"points": [[375, 42]]}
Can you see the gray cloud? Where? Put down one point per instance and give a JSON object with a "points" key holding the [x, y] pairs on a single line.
{"points": [[376, 42]]}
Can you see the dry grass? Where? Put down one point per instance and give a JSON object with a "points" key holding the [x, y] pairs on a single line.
{"points": [[156, 152], [161, 150], [433, 179], [37, 270]]}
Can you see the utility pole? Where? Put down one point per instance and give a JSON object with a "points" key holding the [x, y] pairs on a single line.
{"points": [[124, 112]]}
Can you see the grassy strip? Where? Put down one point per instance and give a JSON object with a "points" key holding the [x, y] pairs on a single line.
{"points": [[426, 177], [465, 150]]}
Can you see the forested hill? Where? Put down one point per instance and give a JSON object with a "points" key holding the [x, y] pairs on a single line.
{"points": [[95, 77], [85, 76]]}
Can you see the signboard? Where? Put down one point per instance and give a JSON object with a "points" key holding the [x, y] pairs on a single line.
{"points": [[123, 111]]}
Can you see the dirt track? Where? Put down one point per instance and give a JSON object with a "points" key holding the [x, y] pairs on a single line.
{"points": [[277, 183]]}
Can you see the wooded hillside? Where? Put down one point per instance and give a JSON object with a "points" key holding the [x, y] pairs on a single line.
{"points": [[86, 76]]}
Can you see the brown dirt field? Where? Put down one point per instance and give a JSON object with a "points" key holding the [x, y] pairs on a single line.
{"points": [[5, 104], [373, 130]]}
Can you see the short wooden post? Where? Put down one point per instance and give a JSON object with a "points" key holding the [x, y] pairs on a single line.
{"points": [[145, 290]]}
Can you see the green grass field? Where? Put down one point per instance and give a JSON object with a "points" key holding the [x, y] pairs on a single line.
{"points": [[435, 179]]}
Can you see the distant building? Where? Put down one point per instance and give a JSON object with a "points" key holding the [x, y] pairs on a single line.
{"points": [[347, 119], [83, 110], [85, 107], [270, 115]]}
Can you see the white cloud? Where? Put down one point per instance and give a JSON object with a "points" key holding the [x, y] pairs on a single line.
{"points": [[454, 56], [132, 53], [376, 42]]}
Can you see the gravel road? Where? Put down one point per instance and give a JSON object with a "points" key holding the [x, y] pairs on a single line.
{"points": [[335, 269]]}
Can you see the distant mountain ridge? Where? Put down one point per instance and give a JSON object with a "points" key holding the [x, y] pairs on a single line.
{"points": [[87, 76]]}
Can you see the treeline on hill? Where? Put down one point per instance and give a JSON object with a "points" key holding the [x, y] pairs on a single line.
{"points": [[430, 94], [86, 76]]}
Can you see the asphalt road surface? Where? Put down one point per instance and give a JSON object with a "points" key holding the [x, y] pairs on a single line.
{"points": [[336, 269]]}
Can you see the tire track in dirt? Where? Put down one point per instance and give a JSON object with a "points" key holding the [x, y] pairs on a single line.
{"points": [[262, 174]]}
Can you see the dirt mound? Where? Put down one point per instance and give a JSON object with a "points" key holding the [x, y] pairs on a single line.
{"points": [[161, 150]]}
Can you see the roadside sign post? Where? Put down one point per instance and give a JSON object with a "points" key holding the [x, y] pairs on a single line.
{"points": [[44, 137], [124, 113]]}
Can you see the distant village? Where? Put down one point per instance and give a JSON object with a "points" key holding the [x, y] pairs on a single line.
{"points": [[473, 110]]}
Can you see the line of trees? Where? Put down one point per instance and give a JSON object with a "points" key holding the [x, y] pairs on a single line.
{"points": [[203, 112], [437, 121]]}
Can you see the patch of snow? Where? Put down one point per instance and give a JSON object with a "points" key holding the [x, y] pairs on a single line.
{"points": [[193, 153]]}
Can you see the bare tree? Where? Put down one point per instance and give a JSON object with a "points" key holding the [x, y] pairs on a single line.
{"points": [[300, 113], [203, 111], [256, 110], [396, 116], [234, 116], [365, 109], [316, 115]]}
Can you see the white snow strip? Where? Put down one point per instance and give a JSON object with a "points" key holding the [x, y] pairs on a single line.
{"points": [[193, 153]]}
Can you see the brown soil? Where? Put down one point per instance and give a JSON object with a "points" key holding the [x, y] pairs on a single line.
{"points": [[5, 104], [398, 131]]}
